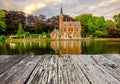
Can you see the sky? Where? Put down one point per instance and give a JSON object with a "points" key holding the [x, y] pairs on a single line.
{"points": [[106, 8]]}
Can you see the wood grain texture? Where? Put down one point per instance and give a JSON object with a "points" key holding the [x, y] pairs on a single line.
{"points": [[68, 69]]}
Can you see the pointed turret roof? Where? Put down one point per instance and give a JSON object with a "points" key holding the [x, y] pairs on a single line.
{"points": [[61, 12]]}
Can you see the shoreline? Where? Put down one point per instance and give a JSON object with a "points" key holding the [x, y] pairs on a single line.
{"points": [[81, 39]]}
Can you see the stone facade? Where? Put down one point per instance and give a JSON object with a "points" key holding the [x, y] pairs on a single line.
{"points": [[67, 29]]}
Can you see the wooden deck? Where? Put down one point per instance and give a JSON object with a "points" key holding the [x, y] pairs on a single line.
{"points": [[52, 69]]}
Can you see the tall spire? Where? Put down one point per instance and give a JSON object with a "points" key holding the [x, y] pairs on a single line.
{"points": [[61, 19], [61, 12]]}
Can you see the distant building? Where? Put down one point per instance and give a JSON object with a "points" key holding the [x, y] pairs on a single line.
{"points": [[67, 29]]}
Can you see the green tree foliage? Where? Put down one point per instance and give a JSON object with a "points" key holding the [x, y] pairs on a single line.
{"points": [[110, 24], [20, 30], [2, 21], [2, 38], [97, 26], [117, 20], [84, 22]]}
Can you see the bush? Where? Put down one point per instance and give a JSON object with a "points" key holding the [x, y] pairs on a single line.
{"points": [[2, 38], [34, 35], [27, 35], [45, 35]]}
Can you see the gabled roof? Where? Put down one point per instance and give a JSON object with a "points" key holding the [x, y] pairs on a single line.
{"points": [[75, 23], [56, 31]]}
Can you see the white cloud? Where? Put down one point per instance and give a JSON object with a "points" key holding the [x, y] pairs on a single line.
{"points": [[7, 4], [31, 8], [106, 8]]}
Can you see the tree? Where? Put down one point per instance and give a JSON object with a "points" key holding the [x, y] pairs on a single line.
{"points": [[2, 21], [13, 18], [42, 17], [30, 23], [117, 20], [96, 24], [110, 24], [39, 26], [113, 32], [20, 30], [84, 23]]}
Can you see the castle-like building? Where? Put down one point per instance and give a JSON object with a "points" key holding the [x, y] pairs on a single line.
{"points": [[67, 29]]}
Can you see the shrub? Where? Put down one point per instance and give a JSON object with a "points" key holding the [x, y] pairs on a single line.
{"points": [[2, 38], [34, 35], [27, 34], [45, 35]]}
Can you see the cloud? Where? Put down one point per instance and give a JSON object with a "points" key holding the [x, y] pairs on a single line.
{"points": [[6, 5], [31, 8], [107, 8]]}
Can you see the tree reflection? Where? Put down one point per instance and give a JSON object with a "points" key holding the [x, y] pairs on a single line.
{"points": [[60, 47], [2, 48], [34, 48]]}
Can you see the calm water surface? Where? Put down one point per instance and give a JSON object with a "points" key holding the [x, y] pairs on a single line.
{"points": [[60, 47]]}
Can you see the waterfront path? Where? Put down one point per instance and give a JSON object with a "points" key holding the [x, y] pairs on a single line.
{"points": [[52, 69]]}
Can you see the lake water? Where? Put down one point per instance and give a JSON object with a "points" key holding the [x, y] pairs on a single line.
{"points": [[61, 47]]}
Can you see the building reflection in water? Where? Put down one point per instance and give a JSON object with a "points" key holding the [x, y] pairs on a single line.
{"points": [[66, 47], [61, 47]]}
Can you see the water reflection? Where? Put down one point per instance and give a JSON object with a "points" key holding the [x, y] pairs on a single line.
{"points": [[66, 47], [40, 47], [60, 47]]}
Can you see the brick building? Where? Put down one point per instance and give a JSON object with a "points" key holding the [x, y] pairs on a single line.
{"points": [[67, 29]]}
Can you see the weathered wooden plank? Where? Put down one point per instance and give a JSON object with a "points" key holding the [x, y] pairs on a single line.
{"points": [[19, 72], [75, 75], [52, 69], [7, 63], [3, 57], [62, 74], [107, 76], [40, 74], [84, 69], [115, 58], [45, 71], [92, 73], [98, 73], [79, 75], [108, 65], [34, 75], [52, 77]]}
